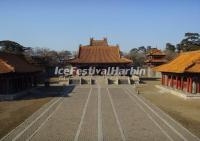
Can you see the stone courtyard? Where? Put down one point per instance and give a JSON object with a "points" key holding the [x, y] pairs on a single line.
{"points": [[103, 113]]}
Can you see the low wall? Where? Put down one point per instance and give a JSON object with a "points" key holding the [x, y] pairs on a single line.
{"points": [[89, 81], [75, 81], [152, 74], [112, 81]]}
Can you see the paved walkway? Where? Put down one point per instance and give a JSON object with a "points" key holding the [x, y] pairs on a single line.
{"points": [[108, 113]]}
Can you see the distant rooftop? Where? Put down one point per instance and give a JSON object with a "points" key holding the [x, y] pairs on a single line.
{"points": [[155, 51], [98, 51]]}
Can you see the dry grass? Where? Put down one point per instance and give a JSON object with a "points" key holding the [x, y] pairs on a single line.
{"points": [[186, 112], [12, 113]]}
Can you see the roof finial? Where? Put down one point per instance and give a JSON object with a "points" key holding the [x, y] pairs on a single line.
{"points": [[91, 40], [105, 40]]}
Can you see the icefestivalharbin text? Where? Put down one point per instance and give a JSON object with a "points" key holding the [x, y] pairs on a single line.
{"points": [[93, 70]]}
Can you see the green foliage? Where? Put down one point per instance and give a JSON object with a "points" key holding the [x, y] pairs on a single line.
{"points": [[191, 42], [170, 47], [12, 47], [138, 55]]}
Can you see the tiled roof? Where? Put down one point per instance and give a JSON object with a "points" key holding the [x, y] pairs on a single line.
{"points": [[185, 62], [99, 54], [15, 63], [4, 67], [194, 68], [155, 51]]}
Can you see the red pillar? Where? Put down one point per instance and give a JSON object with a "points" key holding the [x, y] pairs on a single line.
{"points": [[172, 82], [163, 79], [167, 80], [198, 87], [176, 82], [190, 86], [182, 83]]}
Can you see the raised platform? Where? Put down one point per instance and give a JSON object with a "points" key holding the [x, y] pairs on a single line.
{"points": [[178, 92], [106, 80]]}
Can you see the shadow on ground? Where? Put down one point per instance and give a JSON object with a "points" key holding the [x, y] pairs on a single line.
{"points": [[51, 91]]}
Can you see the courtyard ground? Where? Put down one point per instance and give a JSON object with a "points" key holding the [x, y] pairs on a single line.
{"points": [[12, 113], [186, 112], [102, 113]]}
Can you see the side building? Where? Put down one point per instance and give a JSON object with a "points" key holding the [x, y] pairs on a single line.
{"points": [[183, 73], [16, 74], [154, 57]]}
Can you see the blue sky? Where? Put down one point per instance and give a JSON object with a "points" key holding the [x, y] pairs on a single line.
{"points": [[63, 24]]}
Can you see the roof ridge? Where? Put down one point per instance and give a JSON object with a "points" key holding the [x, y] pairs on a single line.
{"points": [[188, 52], [193, 63]]}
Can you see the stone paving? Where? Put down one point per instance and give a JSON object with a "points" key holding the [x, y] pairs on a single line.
{"points": [[107, 113]]}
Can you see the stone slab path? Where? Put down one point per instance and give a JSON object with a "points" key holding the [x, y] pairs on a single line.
{"points": [[107, 113]]}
